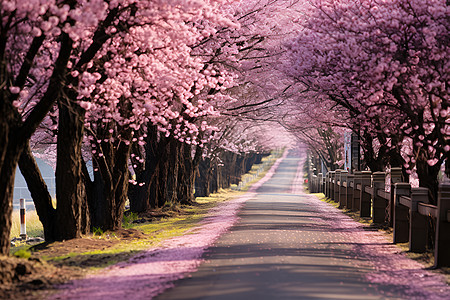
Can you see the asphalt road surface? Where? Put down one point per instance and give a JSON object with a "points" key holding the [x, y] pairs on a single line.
{"points": [[283, 247]]}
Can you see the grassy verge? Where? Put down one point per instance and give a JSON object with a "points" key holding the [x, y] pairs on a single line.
{"points": [[101, 249]]}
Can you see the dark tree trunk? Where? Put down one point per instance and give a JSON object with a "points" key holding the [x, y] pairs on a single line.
{"points": [[156, 175], [187, 169], [251, 158], [139, 195], [230, 168], [164, 198], [111, 182], [39, 192], [100, 206], [10, 150], [154, 189], [166, 183], [239, 169], [70, 189], [185, 175], [173, 167], [121, 181], [203, 178], [214, 183], [259, 157], [8, 167], [375, 162], [223, 171], [428, 175]]}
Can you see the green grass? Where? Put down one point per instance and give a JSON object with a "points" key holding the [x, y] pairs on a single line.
{"points": [[33, 225], [128, 219], [22, 253], [157, 231]]}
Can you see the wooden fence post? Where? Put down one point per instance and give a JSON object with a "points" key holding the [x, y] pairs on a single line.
{"points": [[418, 229], [365, 199], [350, 191], [442, 246], [320, 183], [396, 177], [379, 204], [337, 178], [314, 181], [332, 179], [401, 213], [343, 189], [356, 193]]}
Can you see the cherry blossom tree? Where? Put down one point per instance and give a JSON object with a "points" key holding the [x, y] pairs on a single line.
{"points": [[222, 54], [34, 51], [153, 81], [385, 62], [113, 49]]}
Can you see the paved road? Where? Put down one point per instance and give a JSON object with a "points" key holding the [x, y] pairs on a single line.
{"points": [[283, 247]]}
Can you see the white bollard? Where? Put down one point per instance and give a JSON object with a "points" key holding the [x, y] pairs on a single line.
{"points": [[23, 226]]}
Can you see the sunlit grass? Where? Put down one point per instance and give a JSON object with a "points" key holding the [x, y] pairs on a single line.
{"points": [[157, 231], [33, 225]]}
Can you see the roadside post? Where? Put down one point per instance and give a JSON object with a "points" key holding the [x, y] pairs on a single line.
{"points": [[23, 224]]}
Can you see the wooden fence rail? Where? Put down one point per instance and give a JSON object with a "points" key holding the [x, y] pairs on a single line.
{"points": [[407, 210]]}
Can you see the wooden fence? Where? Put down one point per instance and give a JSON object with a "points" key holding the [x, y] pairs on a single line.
{"points": [[407, 210]]}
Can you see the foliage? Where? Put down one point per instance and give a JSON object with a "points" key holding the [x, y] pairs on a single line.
{"points": [[128, 219], [22, 253], [97, 231]]}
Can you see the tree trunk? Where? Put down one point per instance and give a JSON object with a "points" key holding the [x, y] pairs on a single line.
{"points": [[174, 166], [111, 182], [39, 192], [10, 150], [121, 181], [203, 178], [239, 169], [214, 184], [139, 194], [154, 189], [100, 206], [70, 190], [372, 160], [7, 173], [428, 175], [163, 195], [187, 170], [145, 196], [184, 175], [251, 158]]}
